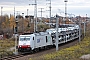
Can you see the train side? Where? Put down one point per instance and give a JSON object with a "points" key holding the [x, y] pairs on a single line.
{"points": [[66, 32], [36, 41]]}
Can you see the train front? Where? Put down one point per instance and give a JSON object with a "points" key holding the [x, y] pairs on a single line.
{"points": [[24, 43]]}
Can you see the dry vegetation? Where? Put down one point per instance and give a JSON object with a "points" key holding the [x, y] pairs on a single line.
{"points": [[71, 53], [5, 45]]}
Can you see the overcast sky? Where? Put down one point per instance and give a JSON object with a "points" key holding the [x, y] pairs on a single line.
{"points": [[76, 7]]}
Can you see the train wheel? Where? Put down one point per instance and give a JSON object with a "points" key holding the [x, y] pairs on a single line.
{"points": [[32, 52], [37, 49], [45, 48]]}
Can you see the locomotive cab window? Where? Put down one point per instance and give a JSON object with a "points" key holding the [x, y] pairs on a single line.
{"points": [[33, 38], [25, 38]]}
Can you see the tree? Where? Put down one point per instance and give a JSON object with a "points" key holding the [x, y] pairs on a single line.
{"points": [[12, 21], [8, 24], [5, 24], [42, 27]]}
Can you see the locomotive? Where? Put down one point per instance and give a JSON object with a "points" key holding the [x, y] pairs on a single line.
{"points": [[37, 41]]}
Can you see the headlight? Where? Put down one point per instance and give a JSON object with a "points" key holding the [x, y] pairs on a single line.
{"points": [[19, 46], [28, 46]]}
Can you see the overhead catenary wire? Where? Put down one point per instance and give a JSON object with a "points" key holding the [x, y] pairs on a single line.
{"points": [[35, 15]]}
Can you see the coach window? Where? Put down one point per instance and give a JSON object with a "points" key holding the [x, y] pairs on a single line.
{"points": [[33, 38], [46, 39]]}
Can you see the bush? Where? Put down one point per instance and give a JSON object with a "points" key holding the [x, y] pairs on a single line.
{"points": [[5, 45], [42, 27]]}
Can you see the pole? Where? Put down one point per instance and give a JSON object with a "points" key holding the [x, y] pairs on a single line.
{"points": [[34, 17], [65, 17], [27, 12], [57, 33], [15, 44], [65, 10], [16, 35], [84, 28], [41, 12], [36, 13], [1, 18], [79, 29], [1, 10], [50, 13], [86, 22], [14, 12], [34, 26], [14, 19]]}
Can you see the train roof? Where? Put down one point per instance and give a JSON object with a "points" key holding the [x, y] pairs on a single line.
{"points": [[25, 35]]}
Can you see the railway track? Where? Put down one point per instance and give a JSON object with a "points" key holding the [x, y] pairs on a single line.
{"points": [[61, 46], [38, 54], [12, 57]]}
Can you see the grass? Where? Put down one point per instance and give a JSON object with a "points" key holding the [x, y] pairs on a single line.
{"points": [[4, 46], [71, 53]]}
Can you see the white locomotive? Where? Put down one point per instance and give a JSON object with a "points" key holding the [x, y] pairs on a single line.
{"points": [[36, 41]]}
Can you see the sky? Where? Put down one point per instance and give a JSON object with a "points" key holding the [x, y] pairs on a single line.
{"points": [[74, 7]]}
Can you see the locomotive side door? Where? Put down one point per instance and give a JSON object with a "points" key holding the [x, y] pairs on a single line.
{"points": [[48, 40], [32, 42]]}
